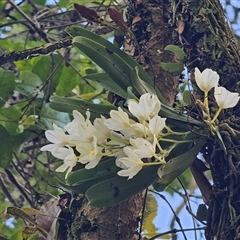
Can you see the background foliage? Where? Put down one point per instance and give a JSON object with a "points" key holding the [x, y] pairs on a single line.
{"points": [[27, 174]]}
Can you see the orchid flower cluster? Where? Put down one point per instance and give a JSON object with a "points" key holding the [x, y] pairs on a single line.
{"points": [[135, 144], [134, 141], [207, 80]]}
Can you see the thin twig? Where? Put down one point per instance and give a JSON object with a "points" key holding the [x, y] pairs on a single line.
{"points": [[41, 33], [6, 193], [175, 231], [143, 211], [13, 180], [170, 206]]}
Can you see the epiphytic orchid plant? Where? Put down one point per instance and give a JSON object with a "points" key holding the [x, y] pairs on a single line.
{"points": [[112, 152]]}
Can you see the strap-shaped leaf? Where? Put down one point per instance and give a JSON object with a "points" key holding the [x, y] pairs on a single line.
{"points": [[122, 58], [119, 66], [141, 86], [64, 104], [103, 169], [82, 187], [108, 60], [113, 191], [177, 165], [107, 83]]}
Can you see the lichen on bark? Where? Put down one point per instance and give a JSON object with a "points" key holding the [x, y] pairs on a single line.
{"points": [[209, 43], [115, 223], [153, 33]]}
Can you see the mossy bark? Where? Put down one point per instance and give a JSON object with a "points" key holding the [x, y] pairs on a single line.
{"points": [[209, 43], [153, 33]]}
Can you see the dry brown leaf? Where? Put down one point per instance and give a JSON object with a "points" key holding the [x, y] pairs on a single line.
{"points": [[117, 17], [138, 2], [136, 19], [48, 219], [180, 26], [86, 12]]}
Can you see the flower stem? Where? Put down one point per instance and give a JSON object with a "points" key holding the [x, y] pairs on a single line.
{"points": [[170, 132], [174, 141], [216, 115], [205, 102], [154, 163]]}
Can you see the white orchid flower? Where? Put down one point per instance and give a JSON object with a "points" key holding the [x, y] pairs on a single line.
{"points": [[206, 80], [103, 133], [69, 157], [156, 125], [57, 137], [90, 153], [119, 120], [132, 164], [147, 107], [224, 98], [80, 129], [143, 148]]}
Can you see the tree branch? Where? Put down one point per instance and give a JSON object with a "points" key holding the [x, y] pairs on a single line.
{"points": [[33, 52]]}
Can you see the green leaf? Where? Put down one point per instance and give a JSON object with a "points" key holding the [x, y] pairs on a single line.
{"points": [[67, 82], [119, 66], [202, 212], [141, 86], [7, 84], [150, 212], [175, 68], [103, 169], [107, 83], [83, 186], [9, 118], [42, 67], [18, 235], [29, 84], [5, 148], [42, 2], [64, 104], [179, 119], [176, 50], [109, 61], [176, 166], [187, 97], [29, 120], [64, 3], [220, 140], [50, 116], [118, 189], [56, 76]]}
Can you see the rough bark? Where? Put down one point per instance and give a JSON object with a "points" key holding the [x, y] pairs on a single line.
{"points": [[152, 33], [209, 43], [116, 223]]}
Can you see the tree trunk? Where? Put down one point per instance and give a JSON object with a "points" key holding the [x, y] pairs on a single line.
{"points": [[152, 33], [209, 43]]}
